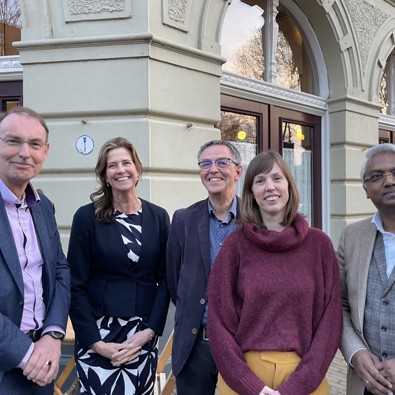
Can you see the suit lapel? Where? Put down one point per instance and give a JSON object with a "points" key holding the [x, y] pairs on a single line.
{"points": [[379, 259], [203, 231], [8, 248], [40, 227], [367, 239]]}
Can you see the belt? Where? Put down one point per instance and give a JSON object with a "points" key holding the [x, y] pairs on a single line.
{"points": [[35, 334], [203, 333]]}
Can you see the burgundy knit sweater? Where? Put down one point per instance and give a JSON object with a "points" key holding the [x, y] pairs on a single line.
{"points": [[275, 291]]}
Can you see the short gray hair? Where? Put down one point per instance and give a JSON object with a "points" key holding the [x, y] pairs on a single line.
{"points": [[235, 151], [373, 151]]}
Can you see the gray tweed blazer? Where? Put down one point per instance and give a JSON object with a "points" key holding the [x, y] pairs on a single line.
{"points": [[355, 250]]}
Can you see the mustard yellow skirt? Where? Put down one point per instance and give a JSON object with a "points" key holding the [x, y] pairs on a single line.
{"points": [[273, 368]]}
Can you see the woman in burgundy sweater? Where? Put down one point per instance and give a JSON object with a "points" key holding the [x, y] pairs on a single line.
{"points": [[274, 299]]}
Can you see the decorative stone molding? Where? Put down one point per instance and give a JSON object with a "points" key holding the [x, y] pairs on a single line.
{"points": [[388, 120], [367, 20], [10, 64], [79, 10], [176, 13], [266, 88]]}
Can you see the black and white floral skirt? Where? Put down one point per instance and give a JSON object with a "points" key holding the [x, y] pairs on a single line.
{"points": [[99, 377]]}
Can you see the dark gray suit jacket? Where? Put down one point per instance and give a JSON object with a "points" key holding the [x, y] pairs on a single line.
{"points": [[188, 269], [14, 344]]}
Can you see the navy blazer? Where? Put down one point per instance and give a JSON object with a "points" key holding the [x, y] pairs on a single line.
{"points": [[188, 269], [14, 344], [103, 281]]}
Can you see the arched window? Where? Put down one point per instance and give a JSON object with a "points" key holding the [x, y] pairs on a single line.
{"points": [[264, 42], [387, 102], [10, 26], [387, 87]]}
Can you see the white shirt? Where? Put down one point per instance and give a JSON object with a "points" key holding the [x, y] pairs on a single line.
{"points": [[389, 243]]}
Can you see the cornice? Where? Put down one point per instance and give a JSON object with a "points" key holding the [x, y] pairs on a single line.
{"points": [[267, 89]]}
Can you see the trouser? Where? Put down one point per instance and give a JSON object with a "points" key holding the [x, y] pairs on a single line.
{"points": [[15, 383], [199, 375], [273, 368]]}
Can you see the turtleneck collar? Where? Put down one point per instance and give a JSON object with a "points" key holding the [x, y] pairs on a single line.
{"points": [[291, 237]]}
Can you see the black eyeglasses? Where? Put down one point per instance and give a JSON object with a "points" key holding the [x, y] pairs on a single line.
{"points": [[380, 177], [205, 165]]}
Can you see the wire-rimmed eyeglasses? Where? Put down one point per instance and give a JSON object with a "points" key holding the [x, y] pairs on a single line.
{"points": [[35, 144], [380, 177], [221, 163]]}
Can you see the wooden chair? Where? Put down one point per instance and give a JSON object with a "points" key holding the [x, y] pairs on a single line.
{"points": [[68, 369], [163, 385]]}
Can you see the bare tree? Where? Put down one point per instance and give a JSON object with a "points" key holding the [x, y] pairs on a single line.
{"points": [[10, 12], [247, 60], [232, 123]]}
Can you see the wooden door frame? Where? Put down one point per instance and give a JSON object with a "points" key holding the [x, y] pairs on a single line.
{"points": [[279, 115], [269, 137]]}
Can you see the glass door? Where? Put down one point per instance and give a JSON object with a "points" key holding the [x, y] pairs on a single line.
{"points": [[241, 123], [297, 136], [255, 127], [10, 95]]}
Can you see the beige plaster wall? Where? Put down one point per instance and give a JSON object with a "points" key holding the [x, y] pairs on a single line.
{"points": [[154, 78], [106, 74]]}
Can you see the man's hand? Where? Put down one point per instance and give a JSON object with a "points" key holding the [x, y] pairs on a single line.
{"points": [[43, 365], [388, 370], [370, 371]]}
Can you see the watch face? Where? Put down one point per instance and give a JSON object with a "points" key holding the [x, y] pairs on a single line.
{"points": [[55, 335]]}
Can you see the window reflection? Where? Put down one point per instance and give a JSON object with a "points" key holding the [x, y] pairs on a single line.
{"points": [[245, 45], [297, 153], [10, 26], [241, 130]]}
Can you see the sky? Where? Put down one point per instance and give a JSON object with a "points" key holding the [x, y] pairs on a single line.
{"points": [[239, 21]]}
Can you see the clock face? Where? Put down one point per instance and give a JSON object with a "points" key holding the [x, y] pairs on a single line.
{"points": [[84, 145]]}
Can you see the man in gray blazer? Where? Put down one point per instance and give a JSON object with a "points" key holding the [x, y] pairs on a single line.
{"points": [[367, 257], [34, 274], [196, 234]]}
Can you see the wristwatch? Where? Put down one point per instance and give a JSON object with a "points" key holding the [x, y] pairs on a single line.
{"points": [[55, 334]]}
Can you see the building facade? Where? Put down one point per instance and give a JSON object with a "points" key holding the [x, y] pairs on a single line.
{"points": [[157, 73]]}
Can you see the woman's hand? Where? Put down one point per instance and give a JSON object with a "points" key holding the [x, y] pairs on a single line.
{"points": [[106, 350], [269, 391], [130, 348]]}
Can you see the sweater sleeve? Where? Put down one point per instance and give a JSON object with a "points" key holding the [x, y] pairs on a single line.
{"points": [[326, 338], [223, 319]]}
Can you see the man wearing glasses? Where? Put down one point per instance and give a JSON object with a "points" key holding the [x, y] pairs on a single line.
{"points": [[367, 257], [34, 274], [196, 235]]}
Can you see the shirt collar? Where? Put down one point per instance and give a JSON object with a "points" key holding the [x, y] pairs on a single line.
{"points": [[376, 220], [232, 210], [29, 199]]}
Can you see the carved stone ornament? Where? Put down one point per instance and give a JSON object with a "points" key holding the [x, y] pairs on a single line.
{"points": [[367, 20], [78, 10], [176, 13]]}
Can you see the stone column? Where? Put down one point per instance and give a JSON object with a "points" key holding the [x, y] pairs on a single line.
{"points": [[145, 70]]}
